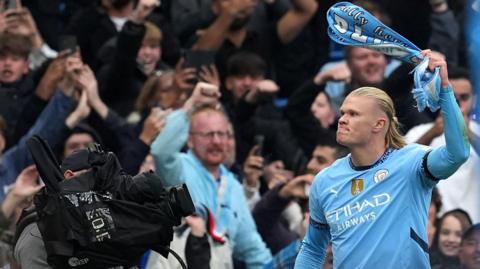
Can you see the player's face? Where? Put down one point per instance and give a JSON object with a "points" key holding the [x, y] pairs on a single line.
{"points": [[209, 138], [470, 251], [359, 116], [450, 236], [367, 66]]}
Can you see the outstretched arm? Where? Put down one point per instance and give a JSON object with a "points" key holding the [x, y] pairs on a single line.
{"points": [[445, 160], [167, 145]]}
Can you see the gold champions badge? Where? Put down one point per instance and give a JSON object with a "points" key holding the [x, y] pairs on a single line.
{"points": [[357, 186]]}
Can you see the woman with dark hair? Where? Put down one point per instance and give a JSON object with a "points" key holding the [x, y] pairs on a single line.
{"points": [[448, 236]]}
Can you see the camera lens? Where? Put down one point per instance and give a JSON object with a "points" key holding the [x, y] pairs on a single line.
{"points": [[181, 201]]}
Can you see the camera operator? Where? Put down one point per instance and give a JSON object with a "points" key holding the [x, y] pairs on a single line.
{"points": [[108, 180], [30, 250]]}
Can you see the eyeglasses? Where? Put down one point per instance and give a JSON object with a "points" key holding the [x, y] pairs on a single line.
{"points": [[211, 135]]}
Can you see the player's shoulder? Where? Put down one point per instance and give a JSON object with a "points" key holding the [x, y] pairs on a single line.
{"points": [[412, 149]]}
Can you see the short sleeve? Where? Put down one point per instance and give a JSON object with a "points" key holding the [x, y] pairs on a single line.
{"points": [[315, 204]]}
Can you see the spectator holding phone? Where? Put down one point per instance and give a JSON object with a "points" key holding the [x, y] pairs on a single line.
{"points": [[137, 55], [52, 124], [18, 20], [16, 82]]}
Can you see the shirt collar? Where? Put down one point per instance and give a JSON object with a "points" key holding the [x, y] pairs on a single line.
{"points": [[378, 162]]}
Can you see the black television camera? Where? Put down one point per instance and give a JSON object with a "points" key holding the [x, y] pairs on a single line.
{"points": [[103, 217]]}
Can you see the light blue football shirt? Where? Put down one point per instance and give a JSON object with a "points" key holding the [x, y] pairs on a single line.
{"points": [[376, 215]]}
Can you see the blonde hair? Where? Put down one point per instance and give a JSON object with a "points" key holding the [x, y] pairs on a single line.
{"points": [[210, 108], [153, 34], [393, 138]]}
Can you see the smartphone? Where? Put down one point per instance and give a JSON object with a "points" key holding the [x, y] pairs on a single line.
{"points": [[259, 141], [199, 58], [9, 4], [68, 43]]}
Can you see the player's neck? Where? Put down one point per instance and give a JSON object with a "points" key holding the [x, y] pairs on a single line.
{"points": [[365, 156]]}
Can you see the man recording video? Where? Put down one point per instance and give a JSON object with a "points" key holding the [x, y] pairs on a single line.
{"points": [[92, 218]]}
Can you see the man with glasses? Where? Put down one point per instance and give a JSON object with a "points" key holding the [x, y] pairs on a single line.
{"points": [[463, 190], [206, 131]]}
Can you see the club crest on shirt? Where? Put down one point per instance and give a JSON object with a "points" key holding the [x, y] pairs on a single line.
{"points": [[357, 186], [380, 175]]}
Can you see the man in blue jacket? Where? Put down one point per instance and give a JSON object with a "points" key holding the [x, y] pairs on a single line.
{"points": [[205, 129]]}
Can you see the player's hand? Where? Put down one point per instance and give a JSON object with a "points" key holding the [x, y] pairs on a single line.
{"points": [[437, 60]]}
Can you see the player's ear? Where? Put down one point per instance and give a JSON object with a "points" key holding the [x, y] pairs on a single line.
{"points": [[380, 124]]}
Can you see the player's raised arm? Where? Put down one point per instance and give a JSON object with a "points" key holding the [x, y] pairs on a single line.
{"points": [[445, 160]]}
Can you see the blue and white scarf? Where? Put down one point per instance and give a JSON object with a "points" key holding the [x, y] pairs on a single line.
{"points": [[351, 25]]}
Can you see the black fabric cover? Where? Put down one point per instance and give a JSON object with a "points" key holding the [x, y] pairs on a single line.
{"points": [[101, 218]]}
